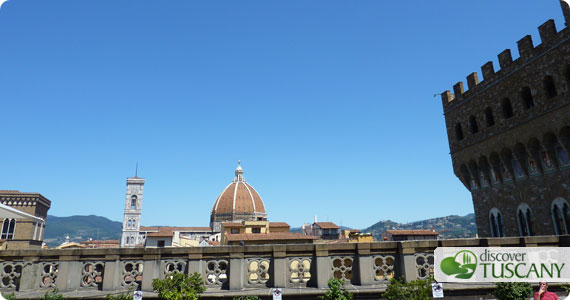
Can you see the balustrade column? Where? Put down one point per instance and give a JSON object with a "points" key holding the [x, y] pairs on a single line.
{"points": [[364, 264], [69, 273], [237, 268], [30, 274], [323, 265], [151, 270], [195, 264], [280, 273], [112, 277], [407, 262]]}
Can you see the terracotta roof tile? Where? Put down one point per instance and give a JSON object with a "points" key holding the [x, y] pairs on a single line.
{"points": [[161, 234], [413, 232], [268, 236], [174, 228], [278, 224], [327, 225], [244, 200]]}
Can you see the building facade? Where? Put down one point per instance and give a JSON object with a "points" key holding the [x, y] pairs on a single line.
{"points": [[261, 232], [509, 137], [130, 235], [22, 216]]}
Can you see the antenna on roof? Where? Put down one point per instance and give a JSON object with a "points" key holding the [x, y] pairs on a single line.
{"points": [[137, 169]]}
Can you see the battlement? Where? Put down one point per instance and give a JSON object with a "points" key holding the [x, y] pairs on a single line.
{"points": [[527, 52]]}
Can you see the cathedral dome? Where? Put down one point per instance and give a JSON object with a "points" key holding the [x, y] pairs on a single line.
{"points": [[238, 201]]}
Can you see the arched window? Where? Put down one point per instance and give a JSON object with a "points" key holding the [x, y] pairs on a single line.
{"points": [[473, 124], [496, 222], [458, 131], [525, 220], [507, 108], [134, 202], [501, 224], [489, 119], [560, 216], [8, 227], [549, 87], [526, 95]]}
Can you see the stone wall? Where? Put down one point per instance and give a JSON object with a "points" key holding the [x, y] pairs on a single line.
{"points": [[233, 270]]}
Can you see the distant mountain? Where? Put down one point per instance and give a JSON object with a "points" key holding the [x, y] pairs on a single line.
{"points": [[448, 227], [80, 228]]}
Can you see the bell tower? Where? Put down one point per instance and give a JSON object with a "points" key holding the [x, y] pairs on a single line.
{"points": [[130, 236]]}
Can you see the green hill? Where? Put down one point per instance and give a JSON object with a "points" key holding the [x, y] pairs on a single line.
{"points": [[448, 227], [80, 228]]}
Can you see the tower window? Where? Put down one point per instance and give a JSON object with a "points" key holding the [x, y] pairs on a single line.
{"points": [[489, 119], [458, 131], [526, 95], [525, 220], [549, 86], [8, 229], [134, 202], [496, 223], [473, 124], [507, 108], [561, 216]]}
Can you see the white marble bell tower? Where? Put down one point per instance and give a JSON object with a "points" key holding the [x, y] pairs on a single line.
{"points": [[130, 236]]}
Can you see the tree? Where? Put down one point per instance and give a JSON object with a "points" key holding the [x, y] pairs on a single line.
{"points": [[336, 291], [179, 286], [413, 290], [512, 291]]}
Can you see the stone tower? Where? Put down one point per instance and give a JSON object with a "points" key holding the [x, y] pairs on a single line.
{"points": [[130, 236], [509, 137]]}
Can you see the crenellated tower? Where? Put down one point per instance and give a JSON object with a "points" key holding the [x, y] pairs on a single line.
{"points": [[130, 236], [509, 137]]}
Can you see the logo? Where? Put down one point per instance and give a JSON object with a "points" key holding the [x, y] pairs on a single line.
{"points": [[463, 264]]}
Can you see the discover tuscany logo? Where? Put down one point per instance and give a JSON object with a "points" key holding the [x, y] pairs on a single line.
{"points": [[462, 265], [493, 264]]}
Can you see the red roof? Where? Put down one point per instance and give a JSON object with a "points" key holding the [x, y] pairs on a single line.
{"points": [[278, 224], [412, 232], [161, 234], [327, 225], [174, 228], [267, 236]]}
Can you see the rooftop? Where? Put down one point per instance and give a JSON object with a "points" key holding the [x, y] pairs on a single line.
{"points": [[327, 225], [413, 232], [174, 228], [279, 236]]}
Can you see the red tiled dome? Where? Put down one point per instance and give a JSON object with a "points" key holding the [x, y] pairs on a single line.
{"points": [[238, 201]]}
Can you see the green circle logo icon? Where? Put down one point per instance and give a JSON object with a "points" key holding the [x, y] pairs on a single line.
{"points": [[463, 264]]}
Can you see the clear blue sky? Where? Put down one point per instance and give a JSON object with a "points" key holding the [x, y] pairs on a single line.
{"points": [[328, 104]]}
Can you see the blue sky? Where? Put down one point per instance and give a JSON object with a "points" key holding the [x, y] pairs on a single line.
{"points": [[328, 104]]}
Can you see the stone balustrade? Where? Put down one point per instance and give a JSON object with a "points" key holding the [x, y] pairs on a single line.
{"points": [[234, 268]]}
